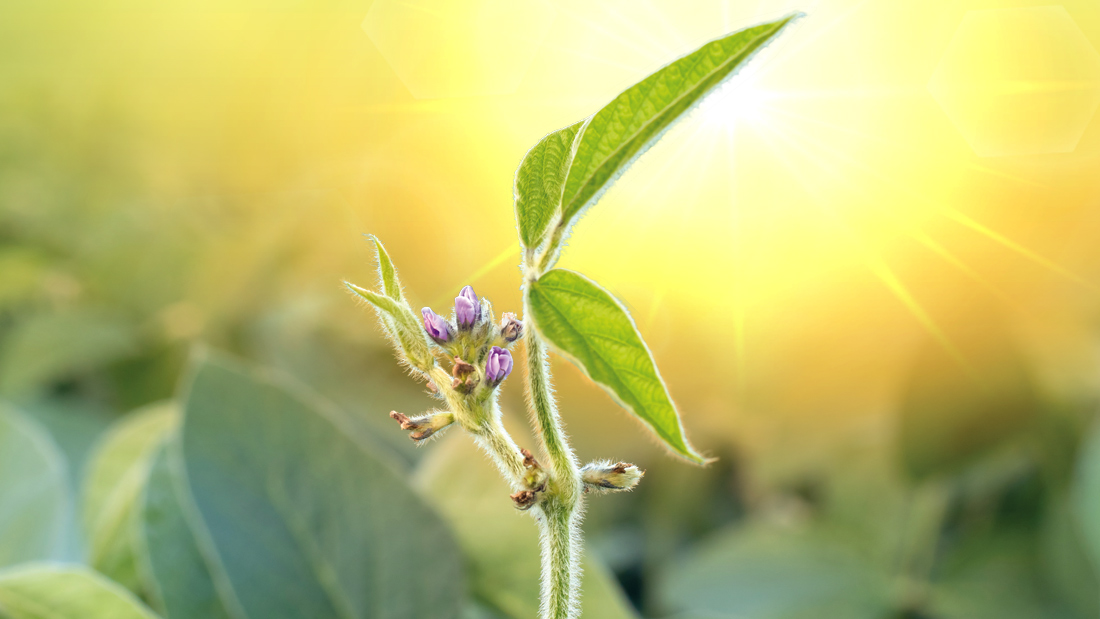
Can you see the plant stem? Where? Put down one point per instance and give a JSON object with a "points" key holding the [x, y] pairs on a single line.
{"points": [[559, 528], [561, 506]]}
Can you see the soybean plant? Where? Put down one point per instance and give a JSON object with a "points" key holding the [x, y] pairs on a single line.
{"points": [[557, 181]]}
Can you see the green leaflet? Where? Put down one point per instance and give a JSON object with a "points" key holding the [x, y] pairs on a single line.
{"points": [[588, 325], [540, 180], [501, 545], [633, 121], [37, 591], [34, 491], [305, 520], [398, 319], [116, 478], [401, 322]]}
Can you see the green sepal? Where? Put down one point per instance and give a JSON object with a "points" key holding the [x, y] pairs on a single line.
{"points": [[402, 326]]}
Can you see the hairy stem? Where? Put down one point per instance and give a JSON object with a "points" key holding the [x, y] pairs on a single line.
{"points": [[492, 437], [564, 468], [561, 571], [561, 508]]}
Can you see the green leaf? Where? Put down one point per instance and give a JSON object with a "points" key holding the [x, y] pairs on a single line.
{"points": [[306, 520], [34, 491], [590, 327], [540, 180], [113, 488], [502, 545], [401, 323], [46, 591], [759, 571], [48, 347], [179, 576], [634, 120]]}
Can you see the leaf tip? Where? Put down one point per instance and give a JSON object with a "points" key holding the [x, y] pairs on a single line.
{"points": [[362, 292]]}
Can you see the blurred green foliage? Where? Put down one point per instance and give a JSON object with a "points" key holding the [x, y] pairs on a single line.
{"points": [[980, 498]]}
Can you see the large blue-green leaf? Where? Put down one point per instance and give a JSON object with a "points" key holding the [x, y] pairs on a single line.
{"points": [[502, 545], [55, 591], [588, 325], [303, 517], [34, 491], [634, 120], [182, 581], [540, 180]]}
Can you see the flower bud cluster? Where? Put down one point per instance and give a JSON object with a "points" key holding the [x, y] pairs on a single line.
{"points": [[477, 346]]}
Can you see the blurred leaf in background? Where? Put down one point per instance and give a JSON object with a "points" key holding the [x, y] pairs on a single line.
{"points": [[35, 590], [34, 491]]}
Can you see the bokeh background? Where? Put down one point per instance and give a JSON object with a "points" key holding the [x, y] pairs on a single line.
{"points": [[868, 267]]}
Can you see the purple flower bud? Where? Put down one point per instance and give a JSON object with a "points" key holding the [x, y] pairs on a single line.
{"points": [[436, 325], [467, 308], [498, 366]]}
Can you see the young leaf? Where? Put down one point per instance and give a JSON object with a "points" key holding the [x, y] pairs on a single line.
{"points": [[36, 591], [588, 325], [503, 550], [539, 183], [116, 478], [402, 323], [306, 519], [34, 491], [633, 121]]}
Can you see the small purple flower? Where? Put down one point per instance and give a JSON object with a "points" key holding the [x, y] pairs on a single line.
{"points": [[498, 366], [436, 325], [467, 308]]}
